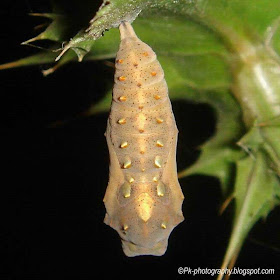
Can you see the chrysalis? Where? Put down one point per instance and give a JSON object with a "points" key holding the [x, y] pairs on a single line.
{"points": [[143, 199]]}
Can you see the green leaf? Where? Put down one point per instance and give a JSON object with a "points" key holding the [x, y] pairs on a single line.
{"points": [[266, 136], [56, 31], [67, 18], [255, 197], [219, 154], [202, 50], [110, 15]]}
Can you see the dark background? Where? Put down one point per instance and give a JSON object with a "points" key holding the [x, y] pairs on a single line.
{"points": [[54, 179]]}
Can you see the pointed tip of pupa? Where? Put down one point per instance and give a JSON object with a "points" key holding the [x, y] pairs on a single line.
{"points": [[126, 30]]}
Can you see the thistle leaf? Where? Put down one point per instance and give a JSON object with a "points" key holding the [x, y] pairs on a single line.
{"points": [[255, 197]]}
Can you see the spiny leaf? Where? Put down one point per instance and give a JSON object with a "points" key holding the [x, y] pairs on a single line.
{"points": [[67, 19], [260, 136], [56, 31], [255, 197], [110, 15], [218, 155], [201, 49], [218, 162]]}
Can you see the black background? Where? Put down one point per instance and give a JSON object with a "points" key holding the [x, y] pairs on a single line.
{"points": [[54, 179]]}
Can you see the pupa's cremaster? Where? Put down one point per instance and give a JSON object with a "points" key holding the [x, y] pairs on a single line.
{"points": [[143, 199]]}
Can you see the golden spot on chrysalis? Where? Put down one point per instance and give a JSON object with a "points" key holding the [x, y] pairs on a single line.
{"points": [[131, 180], [163, 225], [155, 179], [159, 120], [126, 190], [122, 98], [141, 130], [142, 152], [145, 207], [145, 54], [127, 164], [160, 189], [120, 61], [122, 78], [124, 145], [158, 162], [122, 121], [159, 143], [141, 107], [139, 84], [153, 73], [143, 169], [157, 97], [141, 119], [125, 227]]}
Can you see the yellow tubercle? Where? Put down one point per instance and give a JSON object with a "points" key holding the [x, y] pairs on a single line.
{"points": [[127, 164], [160, 189], [122, 98], [124, 145], [159, 120], [122, 121], [158, 162], [159, 143]]}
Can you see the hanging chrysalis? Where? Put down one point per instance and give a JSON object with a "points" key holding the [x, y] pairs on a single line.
{"points": [[143, 198]]}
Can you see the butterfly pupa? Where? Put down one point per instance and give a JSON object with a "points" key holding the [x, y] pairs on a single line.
{"points": [[143, 199]]}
